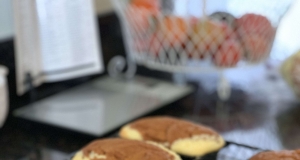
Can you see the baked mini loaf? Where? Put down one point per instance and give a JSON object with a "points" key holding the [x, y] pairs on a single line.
{"points": [[279, 155], [183, 137], [122, 149]]}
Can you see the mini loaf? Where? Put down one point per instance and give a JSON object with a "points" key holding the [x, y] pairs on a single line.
{"points": [[277, 155], [183, 137], [122, 149]]}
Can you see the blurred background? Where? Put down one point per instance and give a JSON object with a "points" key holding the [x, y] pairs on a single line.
{"points": [[59, 112]]}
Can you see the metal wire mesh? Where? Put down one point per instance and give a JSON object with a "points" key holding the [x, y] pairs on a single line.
{"points": [[170, 34]]}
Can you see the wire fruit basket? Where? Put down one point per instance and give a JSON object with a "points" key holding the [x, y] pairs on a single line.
{"points": [[199, 35]]}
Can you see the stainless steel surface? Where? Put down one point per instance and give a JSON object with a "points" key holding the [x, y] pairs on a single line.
{"points": [[104, 104]]}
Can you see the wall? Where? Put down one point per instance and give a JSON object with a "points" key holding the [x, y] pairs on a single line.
{"points": [[6, 16], [6, 27], [103, 6]]}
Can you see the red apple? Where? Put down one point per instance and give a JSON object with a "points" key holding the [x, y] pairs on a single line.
{"points": [[255, 24], [256, 47], [229, 54]]}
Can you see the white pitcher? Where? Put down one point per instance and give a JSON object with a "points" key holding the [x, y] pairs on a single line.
{"points": [[3, 95]]}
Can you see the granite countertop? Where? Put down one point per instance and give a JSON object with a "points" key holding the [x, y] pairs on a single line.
{"points": [[262, 112]]}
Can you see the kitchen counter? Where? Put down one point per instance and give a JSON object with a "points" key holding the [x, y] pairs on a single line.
{"points": [[262, 112]]}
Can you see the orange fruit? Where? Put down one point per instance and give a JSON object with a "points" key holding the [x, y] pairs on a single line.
{"points": [[151, 5], [141, 12], [139, 19], [175, 30]]}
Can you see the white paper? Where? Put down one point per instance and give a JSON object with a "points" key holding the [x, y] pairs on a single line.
{"points": [[27, 44], [64, 42]]}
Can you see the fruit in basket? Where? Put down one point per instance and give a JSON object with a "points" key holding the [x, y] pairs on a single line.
{"points": [[229, 54], [256, 47], [230, 32], [193, 21], [227, 19], [224, 17], [151, 5], [155, 45], [255, 24], [192, 48], [140, 44], [174, 29], [207, 36], [141, 14], [257, 34], [140, 19]]}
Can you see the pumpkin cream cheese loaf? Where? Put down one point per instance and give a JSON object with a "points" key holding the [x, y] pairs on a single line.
{"points": [[122, 149], [183, 137], [277, 155]]}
